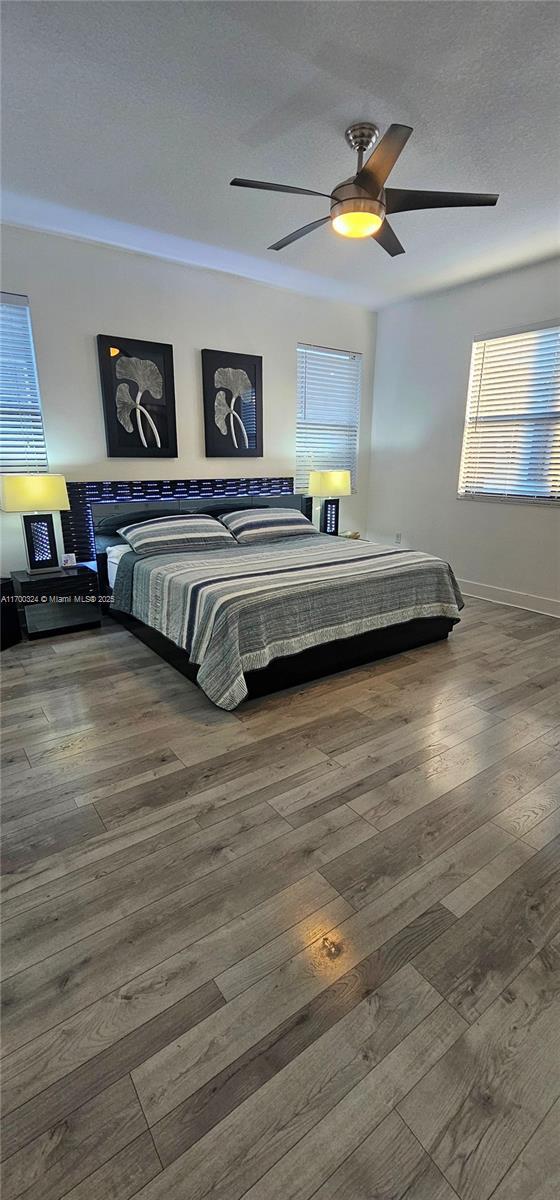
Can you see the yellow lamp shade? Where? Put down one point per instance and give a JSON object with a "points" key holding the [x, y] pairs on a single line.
{"points": [[330, 483], [33, 493]]}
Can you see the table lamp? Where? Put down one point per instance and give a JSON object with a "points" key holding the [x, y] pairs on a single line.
{"points": [[325, 486], [32, 494]]}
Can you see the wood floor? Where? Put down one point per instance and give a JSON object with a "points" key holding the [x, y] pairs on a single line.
{"points": [[309, 949]]}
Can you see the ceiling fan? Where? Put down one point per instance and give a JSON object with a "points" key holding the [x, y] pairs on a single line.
{"points": [[361, 204]]}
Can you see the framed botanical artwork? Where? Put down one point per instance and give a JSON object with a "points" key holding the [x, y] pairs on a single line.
{"points": [[138, 393], [232, 392]]}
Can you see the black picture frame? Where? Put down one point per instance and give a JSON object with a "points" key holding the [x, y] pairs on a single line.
{"points": [[232, 418], [134, 430], [40, 541]]}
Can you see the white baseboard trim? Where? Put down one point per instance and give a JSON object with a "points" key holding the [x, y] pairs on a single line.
{"points": [[484, 591]]}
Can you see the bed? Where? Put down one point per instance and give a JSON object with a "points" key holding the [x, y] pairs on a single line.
{"points": [[250, 619]]}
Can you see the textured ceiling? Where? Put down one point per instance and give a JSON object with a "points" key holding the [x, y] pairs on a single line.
{"points": [[125, 122]]}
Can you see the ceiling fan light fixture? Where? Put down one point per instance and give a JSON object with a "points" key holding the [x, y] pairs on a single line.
{"points": [[357, 224], [357, 217], [359, 205]]}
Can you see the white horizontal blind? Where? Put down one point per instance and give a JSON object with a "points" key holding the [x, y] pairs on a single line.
{"points": [[328, 416], [22, 437], [511, 443]]}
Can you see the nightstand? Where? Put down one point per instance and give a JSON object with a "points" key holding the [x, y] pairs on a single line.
{"points": [[59, 601]]}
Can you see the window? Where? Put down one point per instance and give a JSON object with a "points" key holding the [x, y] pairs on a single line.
{"points": [[22, 437], [328, 416], [511, 443]]}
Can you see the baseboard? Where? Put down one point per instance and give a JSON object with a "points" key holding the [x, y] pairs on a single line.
{"points": [[484, 591]]}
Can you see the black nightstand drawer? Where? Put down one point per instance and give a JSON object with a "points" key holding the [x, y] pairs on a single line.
{"points": [[65, 581], [58, 601]]}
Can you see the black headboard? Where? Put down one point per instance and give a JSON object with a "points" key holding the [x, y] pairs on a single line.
{"points": [[91, 501]]}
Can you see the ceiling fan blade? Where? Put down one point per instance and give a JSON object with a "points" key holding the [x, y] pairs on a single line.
{"points": [[383, 157], [299, 233], [275, 187], [408, 200], [387, 238]]}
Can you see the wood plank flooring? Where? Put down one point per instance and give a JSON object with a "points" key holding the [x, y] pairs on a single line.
{"points": [[307, 949]]}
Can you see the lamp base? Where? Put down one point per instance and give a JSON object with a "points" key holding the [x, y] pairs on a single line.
{"points": [[40, 542], [54, 572], [329, 517], [325, 515]]}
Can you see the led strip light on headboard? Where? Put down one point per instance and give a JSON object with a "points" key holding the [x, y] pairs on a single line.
{"points": [[77, 522]]}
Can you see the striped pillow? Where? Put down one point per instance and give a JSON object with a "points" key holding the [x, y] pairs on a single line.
{"points": [[267, 524], [187, 531]]}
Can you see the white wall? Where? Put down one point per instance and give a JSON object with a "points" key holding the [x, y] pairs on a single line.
{"points": [[79, 289], [421, 374]]}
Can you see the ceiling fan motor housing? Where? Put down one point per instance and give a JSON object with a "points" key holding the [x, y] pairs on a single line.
{"points": [[362, 136], [348, 197]]}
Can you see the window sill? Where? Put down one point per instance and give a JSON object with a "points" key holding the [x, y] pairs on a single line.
{"points": [[491, 499]]}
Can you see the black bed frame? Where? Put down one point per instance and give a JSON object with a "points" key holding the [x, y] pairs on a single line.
{"points": [[292, 669], [326, 659]]}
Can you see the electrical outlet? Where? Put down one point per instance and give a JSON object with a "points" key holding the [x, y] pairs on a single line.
{"points": [[398, 538]]}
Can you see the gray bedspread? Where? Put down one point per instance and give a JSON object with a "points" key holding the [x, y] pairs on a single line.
{"points": [[235, 610]]}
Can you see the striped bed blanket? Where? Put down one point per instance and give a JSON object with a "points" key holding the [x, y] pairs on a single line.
{"points": [[235, 610]]}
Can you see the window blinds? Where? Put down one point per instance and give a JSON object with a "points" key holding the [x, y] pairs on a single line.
{"points": [[328, 414], [22, 437], [511, 443]]}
